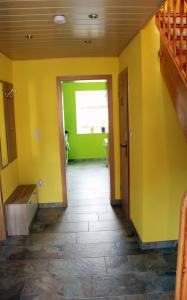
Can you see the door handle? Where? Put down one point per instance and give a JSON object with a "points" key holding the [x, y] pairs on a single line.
{"points": [[123, 146]]}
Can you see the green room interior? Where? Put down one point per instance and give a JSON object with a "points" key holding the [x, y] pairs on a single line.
{"points": [[82, 146]]}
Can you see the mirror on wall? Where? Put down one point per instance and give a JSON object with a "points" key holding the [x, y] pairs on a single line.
{"points": [[3, 137], [8, 149]]}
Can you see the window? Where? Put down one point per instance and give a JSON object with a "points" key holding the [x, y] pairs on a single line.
{"points": [[91, 111]]}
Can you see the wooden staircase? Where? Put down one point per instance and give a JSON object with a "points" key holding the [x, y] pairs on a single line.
{"points": [[171, 21]]}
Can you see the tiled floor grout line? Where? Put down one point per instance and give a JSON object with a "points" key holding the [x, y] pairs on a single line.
{"points": [[92, 286], [116, 245], [88, 226], [22, 290], [105, 264], [76, 238]]}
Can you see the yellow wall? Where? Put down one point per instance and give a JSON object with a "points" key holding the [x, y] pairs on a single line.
{"points": [[165, 150], [9, 175], [36, 108], [161, 164]]}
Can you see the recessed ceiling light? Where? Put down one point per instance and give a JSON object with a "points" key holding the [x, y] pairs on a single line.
{"points": [[29, 36], [87, 41], [93, 16], [59, 19]]}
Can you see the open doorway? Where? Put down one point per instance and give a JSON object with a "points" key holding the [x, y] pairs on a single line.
{"points": [[86, 139], [124, 142]]}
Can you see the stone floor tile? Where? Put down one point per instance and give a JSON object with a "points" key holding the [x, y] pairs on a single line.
{"points": [[29, 268], [90, 250], [78, 266], [11, 287], [90, 298], [46, 287], [87, 209], [127, 284], [88, 202], [54, 239], [61, 227], [73, 217], [122, 265], [106, 225], [110, 216], [9, 269], [33, 252], [101, 236], [13, 240], [167, 281], [150, 262], [127, 297], [171, 259]]}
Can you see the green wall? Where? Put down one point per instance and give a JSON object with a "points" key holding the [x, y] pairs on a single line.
{"points": [[82, 145]]}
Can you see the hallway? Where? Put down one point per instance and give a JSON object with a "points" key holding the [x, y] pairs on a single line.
{"points": [[86, 251]]}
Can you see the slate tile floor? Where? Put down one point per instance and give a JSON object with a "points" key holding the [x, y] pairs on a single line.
{"points": [[84, 252]]}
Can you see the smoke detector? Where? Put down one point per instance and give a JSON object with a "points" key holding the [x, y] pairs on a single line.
{"points": [[59, 19]]}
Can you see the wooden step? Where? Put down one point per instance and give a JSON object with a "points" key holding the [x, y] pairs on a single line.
{"points": [[178, 18], [184, 26], [177, 37], [183, 50], [178, 32], [178, 46]]}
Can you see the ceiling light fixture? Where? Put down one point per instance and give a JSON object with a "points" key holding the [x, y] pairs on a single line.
{"points": [[93, 16], [87, 41], [59, 19], [29, 36]]}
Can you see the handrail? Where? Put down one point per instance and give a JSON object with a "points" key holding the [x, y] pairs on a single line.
{"points": [[181, 278], [171, 21]]}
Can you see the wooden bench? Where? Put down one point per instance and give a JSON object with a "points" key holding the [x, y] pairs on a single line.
{"points": [[20, 209]]}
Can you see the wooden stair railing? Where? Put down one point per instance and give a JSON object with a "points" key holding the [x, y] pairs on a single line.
{"points": [[171, 21], [181, 278]]}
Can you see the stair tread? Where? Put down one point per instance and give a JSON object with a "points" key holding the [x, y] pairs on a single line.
{"points": [[175, 36], [178, 26]]}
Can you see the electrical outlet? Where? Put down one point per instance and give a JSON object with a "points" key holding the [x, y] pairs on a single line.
{"points": [[40, 183]]}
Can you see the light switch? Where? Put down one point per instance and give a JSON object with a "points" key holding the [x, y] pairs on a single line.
{"points": [[37, 134], [40, 183]]}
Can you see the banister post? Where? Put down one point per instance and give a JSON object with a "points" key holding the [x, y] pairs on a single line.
{"points": [[181, 277]]}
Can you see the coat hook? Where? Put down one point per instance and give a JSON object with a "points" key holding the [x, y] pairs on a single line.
{"points": [[10, 94]]}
